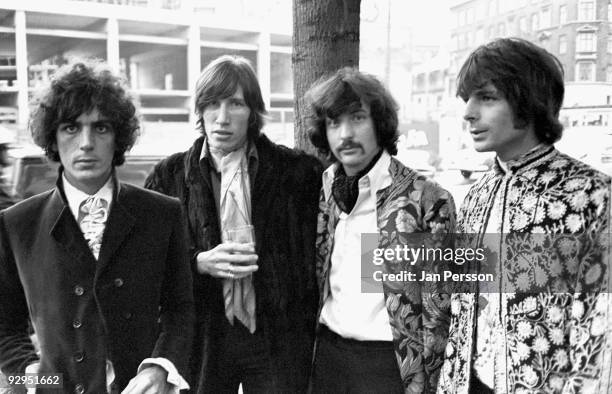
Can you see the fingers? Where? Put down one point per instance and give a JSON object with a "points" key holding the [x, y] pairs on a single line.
{"points": [[232, 271]]}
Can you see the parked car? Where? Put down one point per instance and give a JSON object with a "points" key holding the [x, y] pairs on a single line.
{"points": [[419, 160], [468, 161], [589, 144], [31, 173]]}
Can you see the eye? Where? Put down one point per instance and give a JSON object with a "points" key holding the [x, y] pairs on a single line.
{"points": [[102, 128], [237, 103], [332, 123], [359, 117], [69, 128]]}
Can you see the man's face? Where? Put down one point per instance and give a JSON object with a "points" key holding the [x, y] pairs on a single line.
{"points": [[226, 122], [352, 139], [492, 128], [86, 148]]}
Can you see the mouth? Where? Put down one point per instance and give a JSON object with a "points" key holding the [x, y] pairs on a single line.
{"points": [[85, 161], [475, 132], [222, 132]]}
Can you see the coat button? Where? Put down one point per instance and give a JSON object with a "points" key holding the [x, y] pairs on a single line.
{"points": [[118, 282], [79, 389], [79, 290], [127, 315], [79, 356], [76, 323]]}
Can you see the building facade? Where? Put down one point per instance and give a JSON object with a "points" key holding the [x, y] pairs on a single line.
{"points": [[159, 45]]}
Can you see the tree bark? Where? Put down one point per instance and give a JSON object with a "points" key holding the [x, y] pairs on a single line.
{"points": [[325, 38]]}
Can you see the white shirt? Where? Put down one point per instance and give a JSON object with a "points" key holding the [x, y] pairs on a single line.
{"points": [[74, 198], [347, 311]]}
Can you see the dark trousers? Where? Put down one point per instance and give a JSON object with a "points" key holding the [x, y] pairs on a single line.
{"points": [[242, 358], [349, 366]]}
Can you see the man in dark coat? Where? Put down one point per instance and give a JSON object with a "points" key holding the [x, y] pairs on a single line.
{"points": [[100, 267], [235, 177]]}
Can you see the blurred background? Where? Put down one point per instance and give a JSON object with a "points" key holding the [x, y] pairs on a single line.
{"points": [[415, 48]]}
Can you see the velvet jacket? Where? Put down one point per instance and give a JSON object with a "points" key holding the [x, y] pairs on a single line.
{"points": [[556, 302], [134, 302], [284, 195], [418, 317]]}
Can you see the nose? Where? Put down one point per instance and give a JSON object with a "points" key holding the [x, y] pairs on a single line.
{"points": [[87, 138], [346, 130], [222, 114], [471, 110]]}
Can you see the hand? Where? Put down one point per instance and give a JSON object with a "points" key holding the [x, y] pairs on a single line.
{"points": [[151, 380], [228, 261]]}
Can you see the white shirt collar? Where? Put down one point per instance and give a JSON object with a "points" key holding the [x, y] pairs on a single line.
{"points": [[377, 178], [75, 196]]}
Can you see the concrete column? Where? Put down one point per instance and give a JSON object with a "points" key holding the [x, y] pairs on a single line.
{"points": [[21, 61], [263, 66], [193, 67], [112, 43]]}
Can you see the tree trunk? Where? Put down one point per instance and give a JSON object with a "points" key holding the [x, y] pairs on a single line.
{"points": [[325, 38]]}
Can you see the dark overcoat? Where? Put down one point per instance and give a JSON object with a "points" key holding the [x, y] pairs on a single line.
{"points": [[134, 302], [284, 213]]}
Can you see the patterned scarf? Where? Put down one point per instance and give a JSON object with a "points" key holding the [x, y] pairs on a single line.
{"points": [[345, 189]]}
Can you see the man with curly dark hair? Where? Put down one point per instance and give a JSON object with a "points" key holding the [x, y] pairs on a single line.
{"points": [[98, 266], [392, 339]]}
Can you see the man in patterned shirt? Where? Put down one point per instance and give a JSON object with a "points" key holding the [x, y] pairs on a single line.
{"points": [[392, 340], [545, 330]]}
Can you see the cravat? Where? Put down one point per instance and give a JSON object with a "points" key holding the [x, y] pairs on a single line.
{"points": [[93, 213], [238, 294]]}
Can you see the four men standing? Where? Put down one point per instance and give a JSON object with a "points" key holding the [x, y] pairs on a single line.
{"points": [[102, 268]]}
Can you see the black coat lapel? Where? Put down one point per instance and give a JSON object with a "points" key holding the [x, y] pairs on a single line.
{"points": [[65, 229], [118, 226]]}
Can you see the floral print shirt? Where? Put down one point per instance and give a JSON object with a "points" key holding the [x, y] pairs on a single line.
{"points": [[553, 258], [418, 317]]}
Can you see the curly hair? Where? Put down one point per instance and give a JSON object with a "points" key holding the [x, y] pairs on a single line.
{"points": [[220, 79], [528, 77], [76, 89], [343, 91]]}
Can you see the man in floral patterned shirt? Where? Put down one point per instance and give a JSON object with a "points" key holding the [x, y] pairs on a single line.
{"points": [[374, 342], [546, 328]]}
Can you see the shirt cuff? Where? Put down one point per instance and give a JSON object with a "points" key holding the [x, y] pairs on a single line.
{"points": [[173, 378], [32, 368]]}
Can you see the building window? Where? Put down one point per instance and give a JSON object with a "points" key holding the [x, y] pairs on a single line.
{"points": [[469, 15], [545, 18], [501, 29], [610, 44], [609, 74], [610, 11], [586, 42], [562, 44], [562, 14], [492, 7], [586, 10], [522, 24], [535, 22], [491, 31], [585, 71], [480, 35]]}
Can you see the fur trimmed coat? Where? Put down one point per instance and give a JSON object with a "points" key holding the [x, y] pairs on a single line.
{"points": [[284, 205]]}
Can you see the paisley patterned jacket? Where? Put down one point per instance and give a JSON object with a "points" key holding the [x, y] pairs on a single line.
{"points": [[418, 319], [556, 284]]}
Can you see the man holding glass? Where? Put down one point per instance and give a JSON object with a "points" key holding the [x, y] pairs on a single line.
{"points": [[251, 210]]}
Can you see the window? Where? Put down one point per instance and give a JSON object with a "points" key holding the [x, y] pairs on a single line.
{"points": [[586, 42], [492, 7], [501, 29], [585, 71], [562, 44], [586, 10], [545, 18], [480, 38], [523, 24], [535, 22], [491, 31], [469, 15], [609, 10], [610, 43], [609, 74], [562, 14]]}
